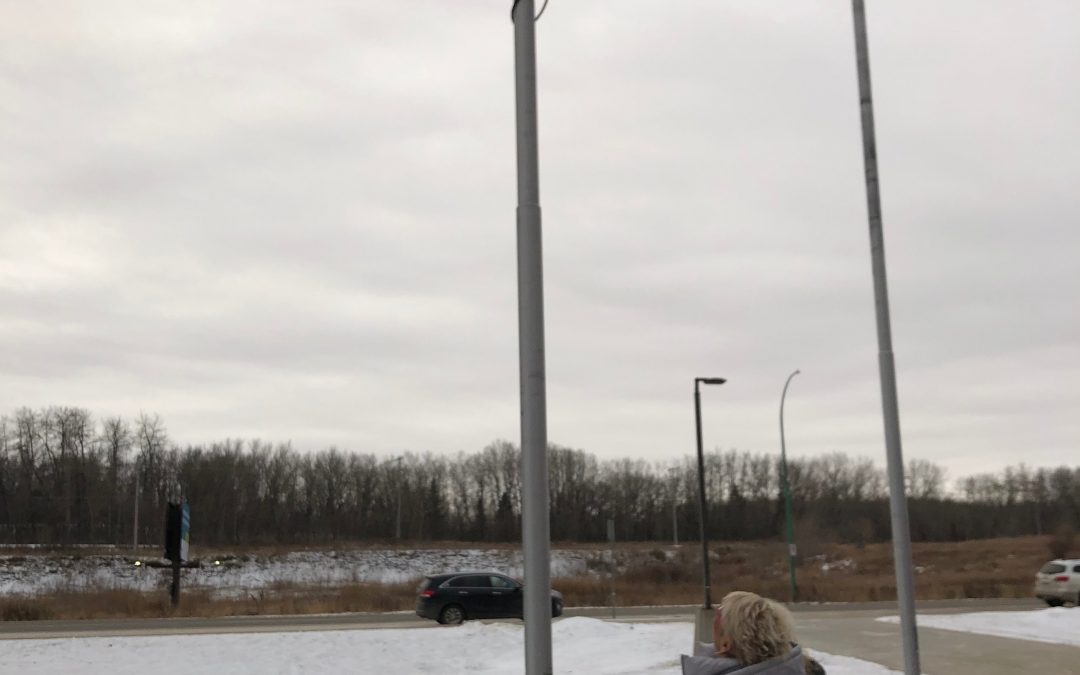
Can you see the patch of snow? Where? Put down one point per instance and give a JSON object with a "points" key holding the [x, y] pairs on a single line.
{"points": [[845, 565], [1058, 625], [580, 646], [845, 665], [32, 575]]}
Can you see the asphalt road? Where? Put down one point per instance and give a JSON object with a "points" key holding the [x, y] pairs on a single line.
{"points": [[262, 624], [855, 633], [843, 629]]}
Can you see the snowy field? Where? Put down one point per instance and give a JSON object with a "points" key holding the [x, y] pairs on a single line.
{"points": [[34, 574], [1059, 625], [581, 646]]}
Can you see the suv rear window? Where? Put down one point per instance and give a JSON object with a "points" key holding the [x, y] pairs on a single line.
{"points": [[1052, 568]]}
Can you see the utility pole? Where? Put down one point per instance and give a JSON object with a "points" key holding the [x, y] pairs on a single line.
{"points": [[535, 516], [901, 532]]}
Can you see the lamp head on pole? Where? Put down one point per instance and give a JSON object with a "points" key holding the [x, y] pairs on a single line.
{"points": [[708, 380]]}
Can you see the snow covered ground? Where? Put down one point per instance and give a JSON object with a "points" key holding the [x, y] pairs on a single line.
{"points": [[33, 574], [585, 646], [1059, 625]]}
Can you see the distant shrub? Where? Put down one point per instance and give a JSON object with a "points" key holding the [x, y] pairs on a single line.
{"points": [[24, 610], [1062, 541]]}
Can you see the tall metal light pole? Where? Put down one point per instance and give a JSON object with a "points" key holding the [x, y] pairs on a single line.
{"points": [[397, 520], [673, 472], [789, 521], [135, 525], [701, 485], [535, 516], [901, 533]]}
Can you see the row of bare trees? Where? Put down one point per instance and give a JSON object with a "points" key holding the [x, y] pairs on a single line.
{"points": [[68, 478]]}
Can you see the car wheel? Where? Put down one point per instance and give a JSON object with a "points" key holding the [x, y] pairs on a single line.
{"points": [[453, 615], [1055, 602], [556, 608]]}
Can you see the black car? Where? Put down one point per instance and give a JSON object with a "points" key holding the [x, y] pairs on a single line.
{"points": [[453, 598]]}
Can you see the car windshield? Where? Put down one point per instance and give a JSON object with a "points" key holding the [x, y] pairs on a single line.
{"points": [[1052, 568]]}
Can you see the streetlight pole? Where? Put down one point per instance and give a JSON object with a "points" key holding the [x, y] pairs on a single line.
{"points": [[901, 532], [789, 520], [397, 520], [135, 525], [701, 485], [536, 513], [673, 471], [138, 498]]}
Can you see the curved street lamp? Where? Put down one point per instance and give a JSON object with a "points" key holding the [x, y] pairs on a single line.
{"points": [[786, 488]]}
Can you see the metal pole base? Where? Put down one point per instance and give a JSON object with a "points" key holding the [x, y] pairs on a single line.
{"points": [[703, 620]]}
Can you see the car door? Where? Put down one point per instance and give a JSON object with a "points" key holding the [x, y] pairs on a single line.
{"points": [[473, 592], [506, 602]]}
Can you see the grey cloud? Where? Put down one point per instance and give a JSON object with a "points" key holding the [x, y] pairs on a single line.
{"points": [[297, 223]]}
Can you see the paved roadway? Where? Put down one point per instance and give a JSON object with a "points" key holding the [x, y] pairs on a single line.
{"points": [[855, 633], [847, 629]]}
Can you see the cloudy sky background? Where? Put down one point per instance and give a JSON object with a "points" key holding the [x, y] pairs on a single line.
{"points": [[295, 221]]}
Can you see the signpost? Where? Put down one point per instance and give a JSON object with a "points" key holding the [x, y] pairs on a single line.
{"points": [[177, 538]]}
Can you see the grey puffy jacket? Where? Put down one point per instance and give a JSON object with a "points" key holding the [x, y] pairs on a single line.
{"points": [[789, 664]]}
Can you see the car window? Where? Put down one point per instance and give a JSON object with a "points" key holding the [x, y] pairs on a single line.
{"points": [[470, 582], [1076, 569], [1052, 568], [502, 582]]}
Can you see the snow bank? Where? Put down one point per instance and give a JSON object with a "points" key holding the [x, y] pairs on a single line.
{"points": [[581, 646], [1058, 625], [31, 575]]}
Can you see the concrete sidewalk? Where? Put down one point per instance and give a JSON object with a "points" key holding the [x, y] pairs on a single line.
{"points": [[942, 652]]}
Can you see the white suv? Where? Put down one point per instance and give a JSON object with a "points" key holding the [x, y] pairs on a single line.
{"points": [[1058, 582]]}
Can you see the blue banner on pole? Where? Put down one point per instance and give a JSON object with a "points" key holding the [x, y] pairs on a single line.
{"points": [[185, 530]]}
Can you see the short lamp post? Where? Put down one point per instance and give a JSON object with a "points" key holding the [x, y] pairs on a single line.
{"points": [[701, 484], [785, 487]]}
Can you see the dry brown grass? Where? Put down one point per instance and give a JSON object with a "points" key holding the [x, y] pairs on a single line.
{"points": [[650, 574], [281, 599], [996, 568]]}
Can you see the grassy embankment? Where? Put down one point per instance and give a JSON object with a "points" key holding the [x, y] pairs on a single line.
{"points": [[650, 574]]}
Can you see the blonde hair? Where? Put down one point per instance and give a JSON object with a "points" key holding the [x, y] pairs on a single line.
{"points": [[759, 629]]}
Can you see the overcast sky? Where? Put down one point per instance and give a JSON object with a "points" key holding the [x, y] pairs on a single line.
{"points": [[295, 221]]}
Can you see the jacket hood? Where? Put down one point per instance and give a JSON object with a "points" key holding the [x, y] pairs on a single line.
{"points": [[789, 664]]}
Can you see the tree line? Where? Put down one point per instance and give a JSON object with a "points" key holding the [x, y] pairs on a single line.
{"points": [[67, 478]]}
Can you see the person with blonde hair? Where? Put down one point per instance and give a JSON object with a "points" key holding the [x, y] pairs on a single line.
{"points": [[752, 635]]}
